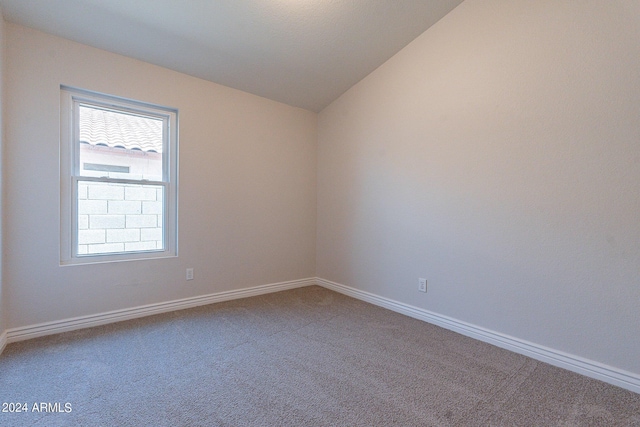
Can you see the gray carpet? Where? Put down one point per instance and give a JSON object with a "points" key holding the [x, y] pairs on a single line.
{"points": [[305, 357]]}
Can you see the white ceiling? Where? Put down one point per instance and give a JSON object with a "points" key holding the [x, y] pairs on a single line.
{"points": [[305, 53]]}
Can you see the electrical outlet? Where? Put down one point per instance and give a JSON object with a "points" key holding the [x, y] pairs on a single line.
{"points": [[189, 273], [422, 285]]}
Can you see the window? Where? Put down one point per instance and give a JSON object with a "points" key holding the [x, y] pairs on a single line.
{"points": [[118, 173]]}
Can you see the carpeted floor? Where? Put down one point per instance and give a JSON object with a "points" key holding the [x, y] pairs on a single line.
{"points": [[305, 357]]}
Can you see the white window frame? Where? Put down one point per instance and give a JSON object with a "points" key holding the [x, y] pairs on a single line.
{"points": [[70, 100]]}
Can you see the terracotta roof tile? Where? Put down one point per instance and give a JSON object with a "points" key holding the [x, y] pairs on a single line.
{"points": [[113, 129]]}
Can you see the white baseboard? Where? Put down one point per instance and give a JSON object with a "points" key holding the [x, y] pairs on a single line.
{"points": [[589, 368], [58, 326], [3, 341], [611, 375]]}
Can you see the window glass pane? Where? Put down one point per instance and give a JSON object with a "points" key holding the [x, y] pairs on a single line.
{"points": [[119, 145], [115, 218]]}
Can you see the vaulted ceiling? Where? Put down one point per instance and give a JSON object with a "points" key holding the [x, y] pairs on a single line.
{"points": [[305, 53]]}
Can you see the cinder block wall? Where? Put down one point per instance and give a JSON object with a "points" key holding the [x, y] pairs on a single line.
{"points": [[119, 217]]}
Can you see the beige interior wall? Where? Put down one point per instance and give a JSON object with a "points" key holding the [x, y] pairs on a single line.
{"points": [[497, 155], [247, 185]]}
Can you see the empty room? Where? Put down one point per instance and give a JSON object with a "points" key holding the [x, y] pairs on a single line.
{"points": [[320, 212]]}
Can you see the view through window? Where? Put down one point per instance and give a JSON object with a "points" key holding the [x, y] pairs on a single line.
{"points": [[121, 176]]}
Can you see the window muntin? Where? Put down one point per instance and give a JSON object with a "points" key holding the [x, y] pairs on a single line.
{"points": [[118, 174]]}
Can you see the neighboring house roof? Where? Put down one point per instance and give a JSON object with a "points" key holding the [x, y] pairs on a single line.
{"points": [[118, 130]]}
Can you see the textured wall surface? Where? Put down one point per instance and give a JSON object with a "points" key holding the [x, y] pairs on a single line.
{"points": [[247, 173], [497, 155]]}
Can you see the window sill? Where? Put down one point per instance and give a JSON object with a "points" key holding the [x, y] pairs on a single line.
{"points": [[105, 259]]}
